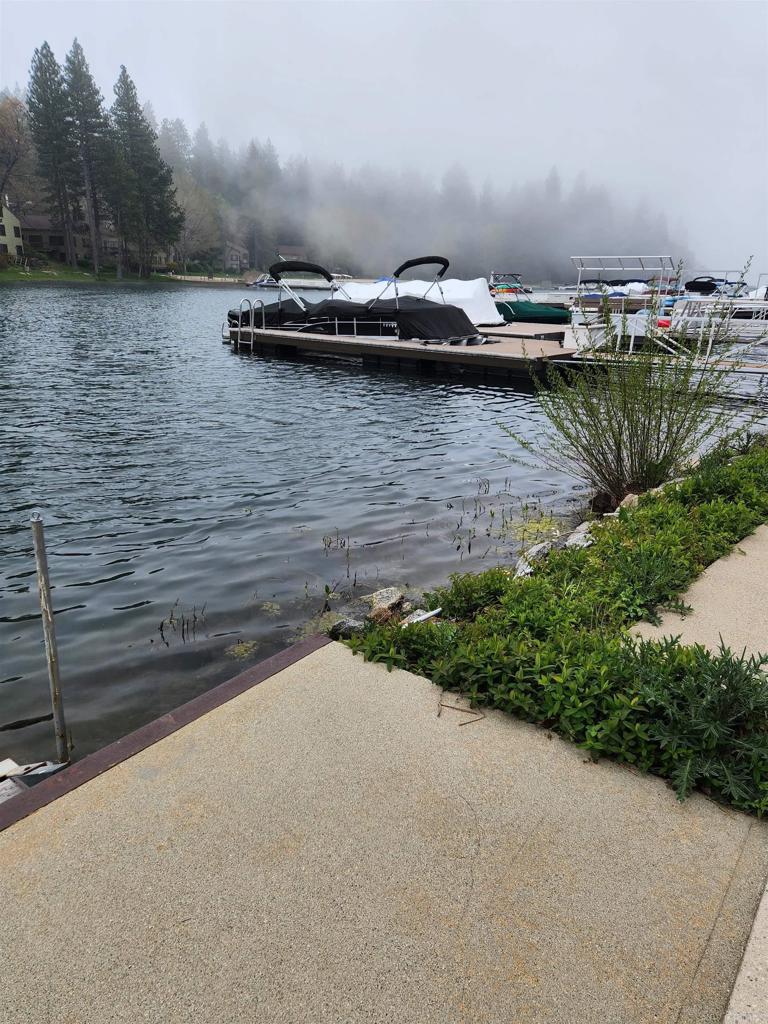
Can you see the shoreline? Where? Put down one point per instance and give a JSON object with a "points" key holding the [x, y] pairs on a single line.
{"points": [[77, 281]]}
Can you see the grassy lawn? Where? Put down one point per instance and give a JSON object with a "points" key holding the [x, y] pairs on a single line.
{"points": [[555, 649], [15, 275]]}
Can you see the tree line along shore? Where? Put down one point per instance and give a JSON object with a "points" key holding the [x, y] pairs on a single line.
{"points": [[143, 194]]}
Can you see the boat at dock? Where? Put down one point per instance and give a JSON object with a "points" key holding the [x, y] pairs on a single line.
{"points": [[300, 283], [16, 779], [507, 285], [517, 303], [711, 309], [431, 312]]}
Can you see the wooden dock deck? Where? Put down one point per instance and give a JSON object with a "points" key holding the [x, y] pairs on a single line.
{"points": [[537, 331], [510, 356]]}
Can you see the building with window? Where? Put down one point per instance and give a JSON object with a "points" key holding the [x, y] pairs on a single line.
{"points": [[289, 251], [11, 241], [235, 257], [42, 236]]}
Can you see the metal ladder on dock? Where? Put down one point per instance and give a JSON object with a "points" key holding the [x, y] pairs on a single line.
{"points": [[244, 338]]}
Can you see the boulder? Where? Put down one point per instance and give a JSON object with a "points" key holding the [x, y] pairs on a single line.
{"points": [[539, 551], [380, 615], [580, 540], [629, 501], [389, 598], [602, 502], [525, 563], [345, 628]]}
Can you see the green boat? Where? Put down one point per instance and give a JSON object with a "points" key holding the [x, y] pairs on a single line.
{"points": [[532, 313]]}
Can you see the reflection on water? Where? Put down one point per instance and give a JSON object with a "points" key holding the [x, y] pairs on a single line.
{"points": [[198, 503]]}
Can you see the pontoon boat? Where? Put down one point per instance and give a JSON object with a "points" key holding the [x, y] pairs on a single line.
{"points": [[396, 315]]}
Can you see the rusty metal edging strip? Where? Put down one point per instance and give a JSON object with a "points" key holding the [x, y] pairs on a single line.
{"points": [[89, 767]]}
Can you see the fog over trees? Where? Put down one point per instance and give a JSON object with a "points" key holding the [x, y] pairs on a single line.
{"points": [[166, 186], [365, 220]]}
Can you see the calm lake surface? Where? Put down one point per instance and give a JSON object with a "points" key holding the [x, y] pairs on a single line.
{"points": [[195, 499]]}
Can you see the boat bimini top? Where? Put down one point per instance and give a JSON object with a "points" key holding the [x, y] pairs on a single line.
{"points": [[507, 283], [364, 310]]}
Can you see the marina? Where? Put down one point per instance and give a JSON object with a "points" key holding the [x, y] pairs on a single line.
{"points": [[382, 635], [419, 325], [422, 326]]}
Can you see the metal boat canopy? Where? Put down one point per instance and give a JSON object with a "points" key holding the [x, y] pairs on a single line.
{"points": [[662, 268]]}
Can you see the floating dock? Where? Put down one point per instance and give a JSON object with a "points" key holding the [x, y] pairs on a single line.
{"points": [[514, 348]]}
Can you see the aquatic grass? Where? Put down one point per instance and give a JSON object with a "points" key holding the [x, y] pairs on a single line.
{"points": [[556, 649]]}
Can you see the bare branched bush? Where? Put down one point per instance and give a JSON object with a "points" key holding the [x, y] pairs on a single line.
{"points": [[628, 418]]}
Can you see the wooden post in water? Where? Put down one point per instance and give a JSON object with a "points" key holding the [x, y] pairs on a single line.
{"points": [[51, 651]]}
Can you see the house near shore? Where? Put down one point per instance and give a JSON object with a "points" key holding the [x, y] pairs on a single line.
{"points": [[288, 251], [11, 241], [41, 234], [235, 257]]}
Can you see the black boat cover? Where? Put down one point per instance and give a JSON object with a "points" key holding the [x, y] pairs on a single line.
{"points": [[421, 318], [702, 285], [415, 318], [275, 314]]}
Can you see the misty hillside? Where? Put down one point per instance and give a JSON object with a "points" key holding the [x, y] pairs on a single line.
{"points": [[365, 220], [64, 151]]}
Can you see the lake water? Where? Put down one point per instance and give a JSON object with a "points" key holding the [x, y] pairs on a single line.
{"points": [[196, 500]]}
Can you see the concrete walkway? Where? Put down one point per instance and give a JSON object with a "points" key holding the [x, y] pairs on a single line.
{"points": [[326, 847], [729, 601]]}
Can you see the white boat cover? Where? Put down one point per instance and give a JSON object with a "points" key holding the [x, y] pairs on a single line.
{"points": [[471, 296], [630, 288]]}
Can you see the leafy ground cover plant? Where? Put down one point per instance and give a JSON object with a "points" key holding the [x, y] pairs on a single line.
{"points": [[555, 648]]}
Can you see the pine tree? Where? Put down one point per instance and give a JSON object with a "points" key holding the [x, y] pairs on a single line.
{"points": [[89, 130], [174, 144], [203, 159], [51, 125], [142, 194]]}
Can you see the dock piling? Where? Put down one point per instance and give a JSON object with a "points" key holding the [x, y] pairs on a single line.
{"points": [[49, 633]]}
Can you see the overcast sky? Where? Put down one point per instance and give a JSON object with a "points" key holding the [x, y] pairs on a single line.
{"points": [[662, 101]]}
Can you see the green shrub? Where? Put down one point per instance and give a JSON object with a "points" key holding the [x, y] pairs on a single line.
{"points": [[706, 720], [554, 648]]}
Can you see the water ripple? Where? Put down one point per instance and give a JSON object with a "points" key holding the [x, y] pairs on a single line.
{"points": [[230, 490]]}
